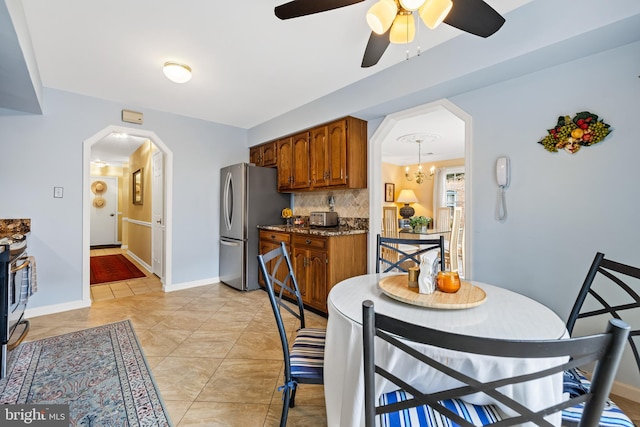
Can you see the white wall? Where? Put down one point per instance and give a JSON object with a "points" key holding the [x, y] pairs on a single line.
{"points": [[38, 152]]}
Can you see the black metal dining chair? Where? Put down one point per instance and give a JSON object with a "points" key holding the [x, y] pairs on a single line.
{"points": [[394, 254], [304, 360], [607, 281], [408, 406]]}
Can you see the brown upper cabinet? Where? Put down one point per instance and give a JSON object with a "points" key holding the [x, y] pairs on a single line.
{"points": [[332, 155], [264, 154], [293, 164]]}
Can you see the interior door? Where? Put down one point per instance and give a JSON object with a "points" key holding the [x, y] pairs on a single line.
{"points": [[157, 207], [104, 210]]}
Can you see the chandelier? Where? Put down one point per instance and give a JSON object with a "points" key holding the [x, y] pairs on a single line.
{"points": [[419, 175], [397, 15]]}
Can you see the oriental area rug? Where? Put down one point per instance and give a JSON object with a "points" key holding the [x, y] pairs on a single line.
{"points": [[112, 268], [101, 373]]}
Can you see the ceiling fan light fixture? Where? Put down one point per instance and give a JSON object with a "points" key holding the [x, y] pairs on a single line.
{"points": [[380, 16], [411, 4], [176, 72], [433, 12], [403, 29]]}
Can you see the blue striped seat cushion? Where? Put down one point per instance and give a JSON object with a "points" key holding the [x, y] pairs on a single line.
{"points": [[426, 416], [307, 354], [612, 416]]}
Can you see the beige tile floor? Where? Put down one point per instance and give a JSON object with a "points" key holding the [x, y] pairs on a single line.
{"points": [[213, 351]]}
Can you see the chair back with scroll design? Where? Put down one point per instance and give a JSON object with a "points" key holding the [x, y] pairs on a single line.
{"points": [[303, 363], [614, 281], [447, 407], [404, 252]]}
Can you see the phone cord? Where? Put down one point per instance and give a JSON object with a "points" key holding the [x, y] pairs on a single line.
{"points": [[502, 207]]}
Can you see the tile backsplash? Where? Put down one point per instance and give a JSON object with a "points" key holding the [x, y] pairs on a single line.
{"points": [[348, 203]]}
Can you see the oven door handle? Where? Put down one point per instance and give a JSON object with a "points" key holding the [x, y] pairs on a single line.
{"points": [[24, 265]]}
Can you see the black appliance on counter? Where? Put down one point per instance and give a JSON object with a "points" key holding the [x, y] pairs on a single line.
{"points": [[15, 289]]}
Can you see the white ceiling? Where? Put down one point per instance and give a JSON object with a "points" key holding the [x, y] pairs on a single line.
{"points": [[248, 66]]}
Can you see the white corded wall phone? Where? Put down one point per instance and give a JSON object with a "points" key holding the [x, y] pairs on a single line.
{"points": [[503, 176]]}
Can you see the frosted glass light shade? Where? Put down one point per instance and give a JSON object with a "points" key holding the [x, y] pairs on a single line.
{"points": [[380, 16], [433, 12], [178, 73], [411, 4], [403, 29]]}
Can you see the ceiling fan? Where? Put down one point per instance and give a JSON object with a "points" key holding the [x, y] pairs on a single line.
{"points": [[391, 21]]}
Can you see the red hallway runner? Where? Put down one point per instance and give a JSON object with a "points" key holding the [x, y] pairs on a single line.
{"points": [[112, 268]]}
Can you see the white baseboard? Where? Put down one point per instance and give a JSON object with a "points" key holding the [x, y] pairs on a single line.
{"points": [[141, 262], [56, 308], [187, 285]]}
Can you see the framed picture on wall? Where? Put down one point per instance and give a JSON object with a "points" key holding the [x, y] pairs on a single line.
{"points": [[137, 189], [389, 192]]}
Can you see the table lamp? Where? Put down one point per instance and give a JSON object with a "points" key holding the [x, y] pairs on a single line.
{"points": [[406, 197]]}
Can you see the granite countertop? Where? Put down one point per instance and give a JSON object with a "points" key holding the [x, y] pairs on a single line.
{"points": [[325, 231], [15, 227]]}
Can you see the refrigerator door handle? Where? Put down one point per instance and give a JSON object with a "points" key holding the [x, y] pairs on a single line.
{"points": [[228, 243], [228, 200]]}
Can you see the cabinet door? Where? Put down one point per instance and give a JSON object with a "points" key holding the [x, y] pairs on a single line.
{"points": [[319, 157], [269, 154], [300, 260], [337, 153], [317, 272], [255, 155], [301, 177], [285, 163], [265, 246]]}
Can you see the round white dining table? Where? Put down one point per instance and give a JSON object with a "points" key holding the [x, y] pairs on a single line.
{"points": [[504, 315]]}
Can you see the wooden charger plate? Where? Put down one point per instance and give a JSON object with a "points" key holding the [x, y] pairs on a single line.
{"points": [[467, 296]]}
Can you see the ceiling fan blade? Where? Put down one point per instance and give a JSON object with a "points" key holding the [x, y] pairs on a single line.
{"points": [[297, 8], [376, 46], [475, 17]]}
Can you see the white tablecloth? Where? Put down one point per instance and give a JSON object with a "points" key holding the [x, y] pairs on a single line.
{"points": [[504, 314]]}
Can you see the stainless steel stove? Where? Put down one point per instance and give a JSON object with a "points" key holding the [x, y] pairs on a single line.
{"points": [[15, 288]]}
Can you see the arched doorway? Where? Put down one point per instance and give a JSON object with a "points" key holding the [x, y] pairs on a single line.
{"points": [[376, 190], [168, 209]]}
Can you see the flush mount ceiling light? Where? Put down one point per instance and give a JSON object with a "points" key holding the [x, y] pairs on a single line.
{"points": [[100, 163], [176, 72]]}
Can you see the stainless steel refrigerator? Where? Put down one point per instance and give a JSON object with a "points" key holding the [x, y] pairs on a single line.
{"points": [[248, 198]]}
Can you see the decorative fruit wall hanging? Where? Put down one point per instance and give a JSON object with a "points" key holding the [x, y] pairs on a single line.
{"points": [[583, 130]]}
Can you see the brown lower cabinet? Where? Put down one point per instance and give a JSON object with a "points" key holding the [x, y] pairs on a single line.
{"points": [[319, 262]]}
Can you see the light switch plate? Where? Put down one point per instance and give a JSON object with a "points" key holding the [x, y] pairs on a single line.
{"points": [[57, 192]]}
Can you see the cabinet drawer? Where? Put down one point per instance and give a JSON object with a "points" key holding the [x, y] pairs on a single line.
{"points": [[310, 242], [275, 236]]}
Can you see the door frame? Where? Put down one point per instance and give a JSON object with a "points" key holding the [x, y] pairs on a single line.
{"points": [[156, 193], [376, 188], [86, 188]]}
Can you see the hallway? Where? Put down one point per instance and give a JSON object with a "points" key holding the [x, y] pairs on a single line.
{"points": [[123, 288]]}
